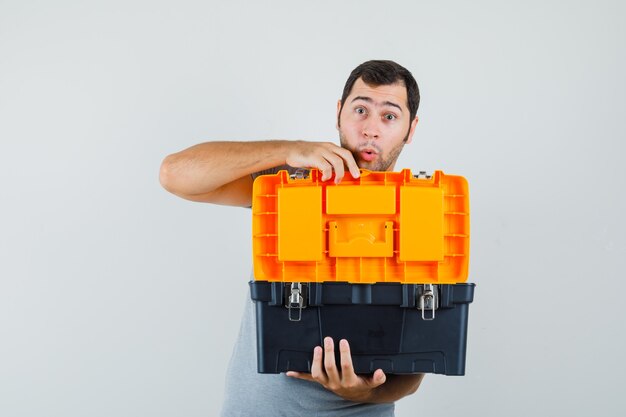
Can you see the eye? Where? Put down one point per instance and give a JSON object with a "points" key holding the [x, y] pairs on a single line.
{"points": [[359, 110], [390, 116]]}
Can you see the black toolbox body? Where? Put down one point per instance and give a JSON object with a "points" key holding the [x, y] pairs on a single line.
{"points": [[382, 322]]}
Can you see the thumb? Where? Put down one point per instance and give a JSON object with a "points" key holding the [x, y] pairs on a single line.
{"points": [[378, 378]]}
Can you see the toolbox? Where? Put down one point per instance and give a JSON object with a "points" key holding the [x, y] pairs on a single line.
{"points": [[380, 260]]}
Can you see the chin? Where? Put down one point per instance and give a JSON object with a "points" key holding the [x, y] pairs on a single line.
{"points": [[370, 166], [364, 164]]}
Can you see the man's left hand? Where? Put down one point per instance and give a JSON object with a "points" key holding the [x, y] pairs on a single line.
{"points": [[345, 383]]}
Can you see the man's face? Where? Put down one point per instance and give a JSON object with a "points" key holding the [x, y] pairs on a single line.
{"points": [[375, 124]]}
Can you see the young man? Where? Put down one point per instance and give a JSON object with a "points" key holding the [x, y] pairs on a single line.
{"points": [[376, 117]]}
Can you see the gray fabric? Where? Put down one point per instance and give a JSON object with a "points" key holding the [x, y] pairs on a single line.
{"points": [[270, 171], [250, 394]]}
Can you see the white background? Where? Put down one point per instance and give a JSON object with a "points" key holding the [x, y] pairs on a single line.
{"points": [[119, 299]]}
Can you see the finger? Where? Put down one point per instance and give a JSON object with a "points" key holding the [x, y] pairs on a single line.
{"points": [[329, 361], [347, 369], [326, 168], [350, 162], [300, 375], [377, 379], [317, 370], [337, 164]]}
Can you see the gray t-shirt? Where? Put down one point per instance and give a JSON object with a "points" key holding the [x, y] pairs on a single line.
{"points": [[250, 394]]}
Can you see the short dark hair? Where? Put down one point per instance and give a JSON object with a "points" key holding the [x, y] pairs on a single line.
{"points": [[382, 72]]}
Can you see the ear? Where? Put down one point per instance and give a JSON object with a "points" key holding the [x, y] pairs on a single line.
{"points": [[338, 110], [412, 129]]}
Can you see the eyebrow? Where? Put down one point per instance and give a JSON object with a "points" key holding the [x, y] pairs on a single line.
{"points": [[369, 100]]}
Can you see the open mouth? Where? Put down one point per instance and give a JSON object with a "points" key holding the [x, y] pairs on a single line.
{"points": [[368, 154]]}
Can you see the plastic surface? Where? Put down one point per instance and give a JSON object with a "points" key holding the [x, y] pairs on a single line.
{"points": [[381, 227], [380, 321]]}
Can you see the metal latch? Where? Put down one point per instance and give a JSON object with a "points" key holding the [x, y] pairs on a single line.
{"points": [[428, 300], [295, 299], [423, 175], [300, 174]]}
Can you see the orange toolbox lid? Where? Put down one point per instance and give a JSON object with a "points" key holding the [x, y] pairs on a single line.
{"points": [[381, 227]]}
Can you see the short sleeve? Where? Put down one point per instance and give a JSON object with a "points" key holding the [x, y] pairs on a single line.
{"points": [[274, 170]]}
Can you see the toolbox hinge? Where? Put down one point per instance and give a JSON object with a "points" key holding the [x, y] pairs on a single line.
{"points": [[427, 300], [295, 299], [300, 174], [423, 175]]}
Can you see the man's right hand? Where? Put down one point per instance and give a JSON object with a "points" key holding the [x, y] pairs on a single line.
{"points": [[325, 156]]}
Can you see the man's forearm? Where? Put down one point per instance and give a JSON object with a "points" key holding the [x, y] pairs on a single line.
{"points": [[395, 387], [219, 172], [205, 167]]}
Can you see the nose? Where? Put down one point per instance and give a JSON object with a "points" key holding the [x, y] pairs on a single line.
{"points": [[371, 129]]}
